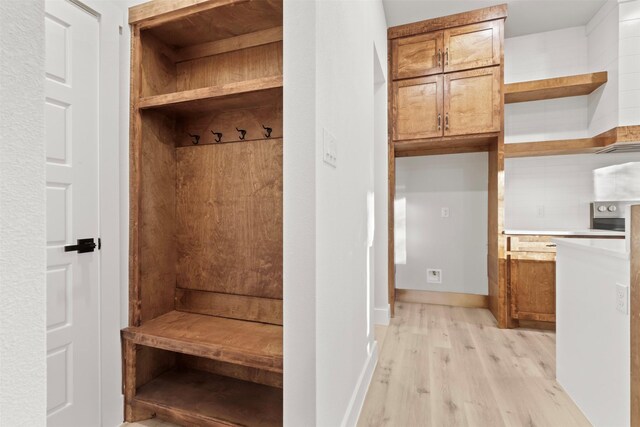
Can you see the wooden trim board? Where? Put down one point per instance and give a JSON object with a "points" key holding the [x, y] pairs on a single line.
{"points": [[442, 298], [440, 23], [557, 87], [617, 135], [635, 315], [166, 10]]}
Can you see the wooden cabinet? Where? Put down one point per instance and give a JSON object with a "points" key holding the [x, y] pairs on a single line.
{"points": [[462, 103], [417, 55], [472, 46], [204, 341], [472, 102], [418, 109], [531, 276], [532, 280]]}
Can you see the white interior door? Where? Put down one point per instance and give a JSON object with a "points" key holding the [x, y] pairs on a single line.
{"points": [[73, 278]]}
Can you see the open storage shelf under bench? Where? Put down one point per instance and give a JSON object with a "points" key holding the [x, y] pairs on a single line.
{"points": [[253, 344], [199, 398]]}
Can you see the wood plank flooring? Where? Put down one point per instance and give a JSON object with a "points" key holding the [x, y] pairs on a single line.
{"points": [[452, 366]]}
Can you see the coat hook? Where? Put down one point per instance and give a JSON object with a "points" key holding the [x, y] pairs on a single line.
{"points": [[268, 130], [242, 133], [218, 136], [196, 138]]}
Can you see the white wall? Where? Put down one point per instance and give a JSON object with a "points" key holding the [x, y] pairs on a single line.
{"points": [[345, 35], [555, 191], [22, 214], [541, 56], [457, 244], [629, 63], [381, 181]]}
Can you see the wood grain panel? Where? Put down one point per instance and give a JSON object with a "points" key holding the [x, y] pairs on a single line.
{"points": [[472, 102], [635, 315], [241, 307], [157, 220], [270, 35], [417, 55], [213, 21], [229, 208], [197, 398], [231, 67], [442, 22], [531, 244], [472, 143], [253, 344], [557, 87], [159, 72], [454, 299], [231, 370], [472, 46], [417, 111], [532, 282], [226, 122]]}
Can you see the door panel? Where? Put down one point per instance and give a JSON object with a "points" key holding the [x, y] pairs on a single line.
{"points": [[472, 102], [417, 55], [417, 110], [71, 131], [472, 46], [532, 280]]}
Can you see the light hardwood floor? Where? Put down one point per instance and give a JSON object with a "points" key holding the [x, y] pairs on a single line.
{"points": [[451, 366]]}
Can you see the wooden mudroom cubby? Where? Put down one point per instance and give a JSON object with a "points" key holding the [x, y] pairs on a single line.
{"points": [[204, 342]]}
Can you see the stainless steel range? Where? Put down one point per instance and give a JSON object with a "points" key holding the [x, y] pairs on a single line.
{"points": [[609, 215]]}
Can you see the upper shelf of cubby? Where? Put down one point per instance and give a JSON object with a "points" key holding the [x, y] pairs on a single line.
{"points": [[181, 23], [557, 87], [233, 96]]}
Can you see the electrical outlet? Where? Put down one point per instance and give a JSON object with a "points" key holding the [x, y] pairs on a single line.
{"points": [[444, 212], [330, 149], [434, 276], [622, 298]]}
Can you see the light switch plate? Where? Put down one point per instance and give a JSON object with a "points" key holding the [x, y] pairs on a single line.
{"points": [[622, 298], [329, 149]]}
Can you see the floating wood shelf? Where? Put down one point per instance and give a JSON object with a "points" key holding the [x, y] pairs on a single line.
{"points": [[252, 344], [618, 135], [557, 87], [195, 397], [233, 96], [445, 145]]}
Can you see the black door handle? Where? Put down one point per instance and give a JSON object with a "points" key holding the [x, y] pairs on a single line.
{"points": [[83, 246]]}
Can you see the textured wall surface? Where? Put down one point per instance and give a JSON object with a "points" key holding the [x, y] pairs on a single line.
{"points": [[22, 214]]}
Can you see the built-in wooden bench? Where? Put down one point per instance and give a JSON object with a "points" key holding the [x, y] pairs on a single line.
{"points": [[198, 398], [253, 344]]}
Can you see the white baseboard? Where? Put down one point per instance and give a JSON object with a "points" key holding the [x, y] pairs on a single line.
{"points": [[356, 402], [382, 316]]}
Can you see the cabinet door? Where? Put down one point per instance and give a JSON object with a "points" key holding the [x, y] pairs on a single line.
{"points": [[417, 55], [417, 108], [472, 102], [532, 280], [472, 46]]}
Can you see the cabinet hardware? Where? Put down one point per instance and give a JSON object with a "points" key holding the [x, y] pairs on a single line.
{"points": [[446, 56], [446, 121], [267, 132], [439, 57], [242, 133], [218, 136], [83, 246], [439, 121], [552, 245], [196, 138]]}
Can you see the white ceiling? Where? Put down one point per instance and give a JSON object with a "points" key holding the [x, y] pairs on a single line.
{"points": [[524, 16]]}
